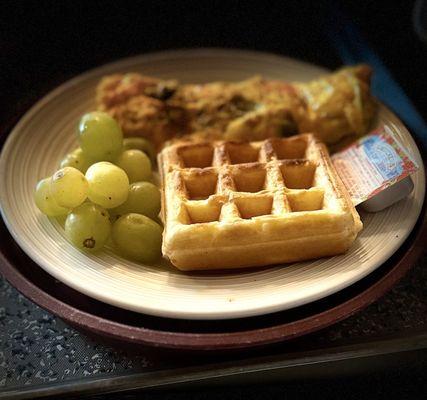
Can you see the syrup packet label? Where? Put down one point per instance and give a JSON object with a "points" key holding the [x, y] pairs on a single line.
{"points": [[372, 164]]}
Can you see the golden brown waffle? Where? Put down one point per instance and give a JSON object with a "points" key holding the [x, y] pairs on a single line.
{"points": [[229, 204]]}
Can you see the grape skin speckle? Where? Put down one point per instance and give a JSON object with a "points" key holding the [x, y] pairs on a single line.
{"points": [[89, 243]]}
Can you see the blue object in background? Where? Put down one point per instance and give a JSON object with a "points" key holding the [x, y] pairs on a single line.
{"points": [[353, 49]]}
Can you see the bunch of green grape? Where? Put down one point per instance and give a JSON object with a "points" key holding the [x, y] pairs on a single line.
{"points": [[104, 190]]}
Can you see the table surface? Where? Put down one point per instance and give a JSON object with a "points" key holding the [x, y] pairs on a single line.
{"points": [[38, 350]]}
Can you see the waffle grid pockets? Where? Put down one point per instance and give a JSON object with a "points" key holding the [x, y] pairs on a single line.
{"points": [[220, 196]]}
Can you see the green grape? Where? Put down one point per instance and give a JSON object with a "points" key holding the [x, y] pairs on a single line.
{"points": [[144, 198], [88, 227], [45, 202], [108, 184], [61, 219], [100, 136], [69, 187], [76, 159], [139, 143], [137, 237], [136, 164]]}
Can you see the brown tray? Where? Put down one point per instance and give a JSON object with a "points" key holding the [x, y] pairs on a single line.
{"points": [[114, 323]]}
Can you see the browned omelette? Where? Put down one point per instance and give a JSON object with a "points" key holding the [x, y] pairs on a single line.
{"points": [[334, 106]]}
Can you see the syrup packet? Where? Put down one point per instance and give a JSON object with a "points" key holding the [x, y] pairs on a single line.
{"points": [[376, 170]]}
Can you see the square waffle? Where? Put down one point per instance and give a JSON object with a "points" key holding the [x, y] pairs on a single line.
{"points": [[230, 204]]}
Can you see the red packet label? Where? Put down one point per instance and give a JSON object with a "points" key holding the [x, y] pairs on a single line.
{"points": [[372, 164]]}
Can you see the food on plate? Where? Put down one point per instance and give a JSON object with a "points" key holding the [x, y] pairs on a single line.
{"points": [[231, 204], [143, 198], [137, 237], [83, 200], [108, 184], [88, 227], [140, 105], [76, 159], [69, 187], [136, 164], [236, 193], [139, 143], [45, 201], [334, 106], [100, 137]]}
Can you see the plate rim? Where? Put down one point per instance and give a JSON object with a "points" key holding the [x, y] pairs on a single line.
{"points": [[187, 314]]}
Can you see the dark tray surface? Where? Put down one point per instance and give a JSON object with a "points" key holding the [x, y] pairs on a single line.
{"points": [[38, 349]]}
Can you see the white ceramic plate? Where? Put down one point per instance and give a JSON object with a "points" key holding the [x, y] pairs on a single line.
{"points": [[45, 134]]}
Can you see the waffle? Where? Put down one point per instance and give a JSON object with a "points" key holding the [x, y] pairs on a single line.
{"points": [[230, 204]]}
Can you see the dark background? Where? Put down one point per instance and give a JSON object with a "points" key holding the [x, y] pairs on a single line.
{"points": [[44, 43]]}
